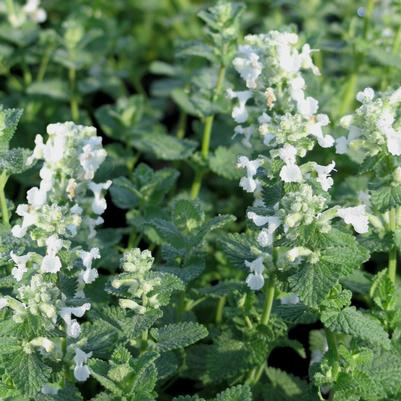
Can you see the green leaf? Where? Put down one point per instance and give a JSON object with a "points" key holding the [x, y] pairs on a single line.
{"points": [[164, 146], [178, 335], [187, 215], [224, 160], [237, 393], [13, 161], [27, 371], [188, 398], [52, 88], [237, 248], [284, 387], [357, 324], [9, 119], [386, 197]]}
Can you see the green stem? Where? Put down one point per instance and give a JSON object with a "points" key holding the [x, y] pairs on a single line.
{"points": [[72, 75], [220, 310], [333, 354], [392, 257], [368, 17], [182, 123], [268, 304], [43, 64], [207, 134], [3, 201], [270, 289]]}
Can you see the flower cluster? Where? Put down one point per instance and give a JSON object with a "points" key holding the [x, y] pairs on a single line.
{"points": [[31, 11], [276, 106], [137, 284], [374, 127], [58, 227]]}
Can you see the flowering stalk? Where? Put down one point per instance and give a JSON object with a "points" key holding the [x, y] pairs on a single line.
{"points": [[207, 133], [373, 133], [291, 195], [57, 225]]}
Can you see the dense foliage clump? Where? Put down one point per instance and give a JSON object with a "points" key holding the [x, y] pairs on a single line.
{"points": [[217, 216]]}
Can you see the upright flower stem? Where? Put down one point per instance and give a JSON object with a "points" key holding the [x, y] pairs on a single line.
{"points": [[333, 354], [270, 289], [207, 134], [72, 74], [3, 201], [220, 310], [267, 306], [352, 83], [392, 257]]}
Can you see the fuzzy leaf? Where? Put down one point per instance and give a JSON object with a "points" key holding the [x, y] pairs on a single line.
{"points": [[237, 393], [357, 324], [178, 335]]}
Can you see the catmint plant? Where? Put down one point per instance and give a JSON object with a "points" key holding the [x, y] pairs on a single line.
{"points": [[56, 229]]}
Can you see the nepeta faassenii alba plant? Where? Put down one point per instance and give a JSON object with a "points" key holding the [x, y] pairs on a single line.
{"points": [[52, 262]]}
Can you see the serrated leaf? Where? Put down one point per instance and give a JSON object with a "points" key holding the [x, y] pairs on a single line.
{"points": [[9, 119], [385, 198], [223, 161], [237, 393], [178, 335], [27, 371], [357, 324], [237, 248]]}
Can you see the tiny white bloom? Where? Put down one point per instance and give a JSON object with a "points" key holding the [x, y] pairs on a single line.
{"points": [[324, 178], [256, 266], [255, 281], [240, 113], [356, 216], [257, 219], [99, 204], [291, 173], [307, 107], [366, 95]]}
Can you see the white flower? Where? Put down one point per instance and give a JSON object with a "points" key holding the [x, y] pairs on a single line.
{"points": [[366, 95], [288, 154], [73, 327], [291, 173], [307, 107], [21, 262], [36, 197], [248, 183], [297, 86], [89, 275], [81, 371], [323, 173], [29, 219], [257, 219], [356, 216], [99, 204], [240, 113], [255, 281], [248, 66], [246, 133], [35, 13], [50, 264], [394, 142], [306, 59], [265, 237], [315, 128], [342, 145], [256, 266], [92, 157]]}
